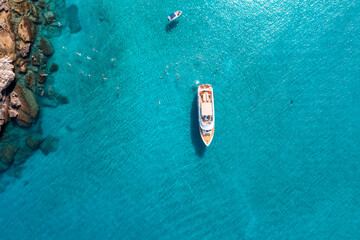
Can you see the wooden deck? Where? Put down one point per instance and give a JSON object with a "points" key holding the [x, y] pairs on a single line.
{"points": [[207, 138]]}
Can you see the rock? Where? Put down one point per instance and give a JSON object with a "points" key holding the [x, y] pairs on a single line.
{"points": [[23, 68], [30, 80], [22, 155], [29, 109], [73, 18], [42, 77], [26, 30], [7, 43], [43, 61], [50, 144], [22, 8], [46, 102], [54, 67], [45, 47], [13, 113], [35, 14], [23, 120], [7, 154], [7, 74], [49, 17], [33, 141], [14, 100], [24, 49], [3, 5], [36, 59], [62, 99], [42, 4]]}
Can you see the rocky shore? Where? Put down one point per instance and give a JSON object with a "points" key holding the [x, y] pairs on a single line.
{"points": [[25, 74]]}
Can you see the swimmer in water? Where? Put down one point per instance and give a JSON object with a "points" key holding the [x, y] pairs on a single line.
{"points": [[113, 59], [68, 64], [88, 57], [59, 24], [78, 54], [64, 47], [117, 88]]}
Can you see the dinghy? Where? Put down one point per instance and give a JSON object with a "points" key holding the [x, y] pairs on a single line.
{"points": [[174, 15]]}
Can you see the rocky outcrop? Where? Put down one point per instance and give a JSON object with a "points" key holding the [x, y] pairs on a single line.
{"points": [[3, 5], [26, 29], [24, 59], [7, 76]]}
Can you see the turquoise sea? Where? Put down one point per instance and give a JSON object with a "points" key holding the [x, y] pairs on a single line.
{"points": [[285, 159]]}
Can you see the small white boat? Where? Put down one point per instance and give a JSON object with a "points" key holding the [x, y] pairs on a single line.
{"points": [[174, 15], [206, 113]]}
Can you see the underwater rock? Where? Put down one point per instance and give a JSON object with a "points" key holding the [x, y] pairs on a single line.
{"points": [[23, 120], [62, 99], [36, 59], [42, 77], [49, 17], [7, 154], [54, 67], [26, 30], [35, 14], [45, 47], [50, 144], [22, 155], [42, 4], [30, 80], [46, 102], [33, 141], [73, 18]]}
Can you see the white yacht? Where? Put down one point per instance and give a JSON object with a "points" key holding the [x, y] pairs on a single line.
{"points": [[206, 112]]}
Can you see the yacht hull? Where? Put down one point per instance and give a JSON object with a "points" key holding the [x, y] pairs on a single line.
{"points": [[206, 116]]}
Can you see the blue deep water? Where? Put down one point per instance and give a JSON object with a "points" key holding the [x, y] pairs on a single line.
{"points": [[285, 159]]}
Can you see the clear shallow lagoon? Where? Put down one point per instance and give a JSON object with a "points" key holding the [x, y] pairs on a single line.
{"points": [[284, 162]]}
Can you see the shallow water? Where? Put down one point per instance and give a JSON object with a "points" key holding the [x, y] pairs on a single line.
{"points": [[130, 165]]}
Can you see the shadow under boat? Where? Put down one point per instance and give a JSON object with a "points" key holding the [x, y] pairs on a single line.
{"points": [[199, 146], [170, 26]]}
